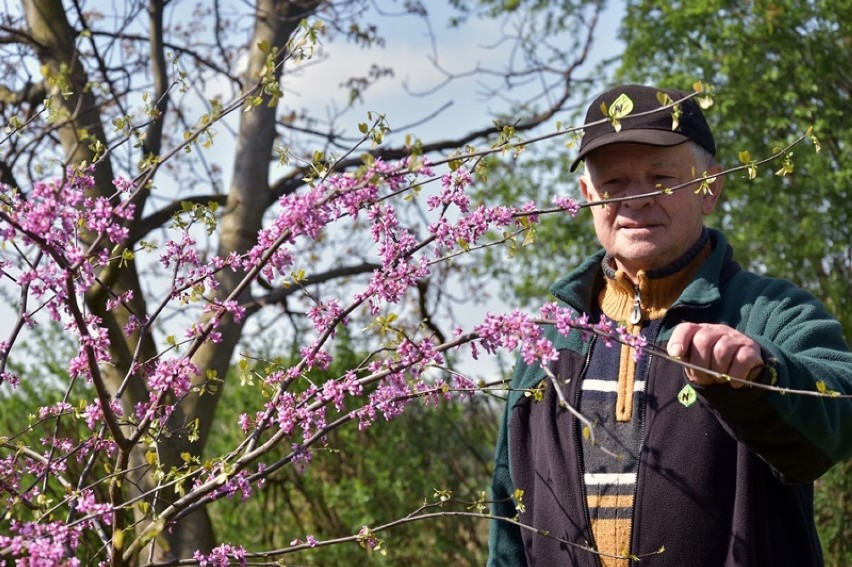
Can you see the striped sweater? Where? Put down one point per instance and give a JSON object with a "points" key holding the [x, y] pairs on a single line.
{"points": [[613, 396]]}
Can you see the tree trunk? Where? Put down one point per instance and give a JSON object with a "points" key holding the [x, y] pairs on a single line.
{"points": [[248, 200]]}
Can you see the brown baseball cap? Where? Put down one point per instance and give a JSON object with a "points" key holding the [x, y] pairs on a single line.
{"points": [[628, 115]]}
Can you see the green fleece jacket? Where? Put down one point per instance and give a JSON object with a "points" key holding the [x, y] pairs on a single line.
{"points": [[722, 482]]}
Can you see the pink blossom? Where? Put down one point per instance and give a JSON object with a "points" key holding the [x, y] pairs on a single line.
{"points": [[606, 330], [221, 556], [285, 412], [335, 390], [173, 375], [570, 205], [506, 331], [57, 409], [9, 378], [390, 284], [302, 457], [314, 357], [114, 302], [529, 210], [454, 185], [180, 253], [325, 314], [638, 342], [45, 544], [415, 357], [245, 422], [94, 414], [123, 185], [237, 483], [133, 324], [197, 330], [390, 398], [306, 213], [237, 311], [88, 505]]}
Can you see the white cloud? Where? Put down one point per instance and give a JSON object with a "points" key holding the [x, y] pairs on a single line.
{"points": [[408, 51]]}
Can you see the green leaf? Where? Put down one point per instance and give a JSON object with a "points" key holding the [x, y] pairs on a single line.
{"points": [[621, 107]]}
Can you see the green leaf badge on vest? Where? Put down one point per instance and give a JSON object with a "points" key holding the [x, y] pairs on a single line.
{"points": [[687, 396]]}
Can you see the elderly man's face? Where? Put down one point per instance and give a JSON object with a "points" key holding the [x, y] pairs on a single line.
{"points": [[650, 232]]}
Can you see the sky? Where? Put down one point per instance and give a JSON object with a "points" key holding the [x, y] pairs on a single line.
{"points": [[408, 51]]}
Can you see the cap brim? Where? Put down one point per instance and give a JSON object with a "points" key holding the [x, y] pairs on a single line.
{"points": [[648, 137]]}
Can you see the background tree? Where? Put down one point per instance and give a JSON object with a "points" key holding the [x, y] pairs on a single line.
{"points": [[782, 66], [785, 66]]}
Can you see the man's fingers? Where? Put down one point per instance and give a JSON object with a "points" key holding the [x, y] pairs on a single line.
{"points": [[717, 348], [682, 346], [746, 364], [680, 340], [745, 357]]}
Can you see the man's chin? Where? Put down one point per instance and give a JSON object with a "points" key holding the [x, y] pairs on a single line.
{"points": [[639, 245], [640, 256]]}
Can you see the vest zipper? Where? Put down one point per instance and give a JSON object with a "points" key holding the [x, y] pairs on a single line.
{"points": [[578, 456], [636, 312], [634, 521]]}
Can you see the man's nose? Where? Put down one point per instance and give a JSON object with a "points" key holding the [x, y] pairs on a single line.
{"points": [[639, 195]]}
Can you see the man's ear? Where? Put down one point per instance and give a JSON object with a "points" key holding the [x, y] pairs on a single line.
{"points": [[711, 200], [584, 185]]}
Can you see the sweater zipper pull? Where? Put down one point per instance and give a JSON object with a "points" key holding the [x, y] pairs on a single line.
{"points": [[636, 312]]}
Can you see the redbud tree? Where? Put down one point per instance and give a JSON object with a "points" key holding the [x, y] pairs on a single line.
{"points": [[162, 262], [161, 287]]}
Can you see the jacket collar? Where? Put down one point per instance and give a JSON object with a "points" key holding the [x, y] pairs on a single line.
{"points": [[580, 288]]}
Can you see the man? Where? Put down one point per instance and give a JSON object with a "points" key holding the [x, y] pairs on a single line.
{"points": [[689, 468]]}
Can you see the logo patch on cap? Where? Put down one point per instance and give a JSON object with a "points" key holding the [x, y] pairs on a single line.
{"points": [[621, 107]]}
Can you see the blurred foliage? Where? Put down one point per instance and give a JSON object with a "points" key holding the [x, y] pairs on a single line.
{"points": [[833, 503], [41, 363], [448, 447], [777, 68]]}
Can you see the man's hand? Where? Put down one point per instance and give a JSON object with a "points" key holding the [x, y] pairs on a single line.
{"points": [[716, 347]]}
